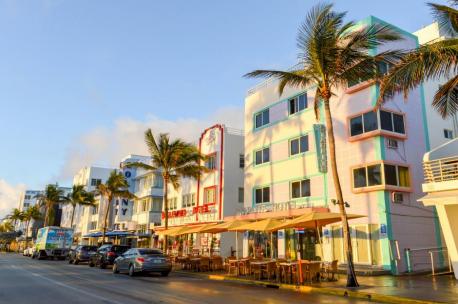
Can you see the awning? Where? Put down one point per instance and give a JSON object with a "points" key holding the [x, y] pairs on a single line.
{"points": [[268, 224], [118, 233], [171, 231], [93, 234], [315, 219], [442, 197]]}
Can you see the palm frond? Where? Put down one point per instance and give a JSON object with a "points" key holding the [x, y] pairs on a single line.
{"points": [[293, 78], [446, 98], [446, 16], [431, 61], [140, 165]]}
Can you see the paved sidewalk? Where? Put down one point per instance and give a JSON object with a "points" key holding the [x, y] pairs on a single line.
{"points": [[387, 289], [421, 287]]}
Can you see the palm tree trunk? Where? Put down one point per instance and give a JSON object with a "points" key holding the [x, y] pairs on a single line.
{"points": [[73, 215], [27, 234], [166, 211], [46, 215], [351, 275], [106, 218]]}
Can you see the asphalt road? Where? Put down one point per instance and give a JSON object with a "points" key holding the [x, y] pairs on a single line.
{"points": [[23, 280]]}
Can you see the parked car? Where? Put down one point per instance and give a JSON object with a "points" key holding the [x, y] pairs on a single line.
{"points": [[106, 254], [29, 251], [143, 260], [81, 253]]}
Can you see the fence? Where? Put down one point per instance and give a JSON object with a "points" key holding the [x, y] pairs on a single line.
{"points": [[434, 259]]}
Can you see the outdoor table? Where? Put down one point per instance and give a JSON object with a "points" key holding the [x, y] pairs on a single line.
{"points": [[259, 265], [233, 264]]}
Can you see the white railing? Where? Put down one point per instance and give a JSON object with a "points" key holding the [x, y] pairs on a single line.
{"points": [[424, 259], [441, 170], [438, 258]]}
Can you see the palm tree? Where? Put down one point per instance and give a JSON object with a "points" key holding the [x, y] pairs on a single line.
{"points": [[32, 213], [52, 196], [331, 54], [431, 61], [116, 186], [6, 226], [79, 196], [16, 216], [174, 159]]}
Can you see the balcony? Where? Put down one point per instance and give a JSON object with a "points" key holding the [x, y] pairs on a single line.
{"points": [[441, 168]]}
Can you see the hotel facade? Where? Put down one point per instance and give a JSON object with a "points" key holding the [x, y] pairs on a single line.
{"points": [[379, 157]]}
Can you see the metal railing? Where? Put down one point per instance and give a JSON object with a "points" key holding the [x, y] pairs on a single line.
{"points": [[441, 170], [439, 262], [422, 259]]}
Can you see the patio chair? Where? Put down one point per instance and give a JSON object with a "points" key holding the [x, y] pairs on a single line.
{"points": [[296, 279], [270, 270], [314, 270], [231, 266], [330, 270], [217, 263], [204, 264], [256, 270], [279, 273]]}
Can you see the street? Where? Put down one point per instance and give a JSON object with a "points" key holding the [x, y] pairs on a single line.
{"points": [[23, 280]]}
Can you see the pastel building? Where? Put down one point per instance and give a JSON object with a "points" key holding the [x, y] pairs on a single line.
{"points": [[217, 194], [27, 200], [379, 153]]}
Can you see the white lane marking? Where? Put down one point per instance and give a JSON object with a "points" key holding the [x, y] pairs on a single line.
{"points": [[70, 287]]}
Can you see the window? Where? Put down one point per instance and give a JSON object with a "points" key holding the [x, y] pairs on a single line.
{"points": [[448, 134], [298, 103], [144, 206], [210, 195], [262, 195], [157, 181], [93, 225], [393, 175], [382, 68], [95, 209], [300, 188], [241, 161], [95, 182], [27, 197], [189, 200], [299, 145], [262, 156], [380, 120], [241, 195], [172, 203], [156, 205], [262, 118], [210, 162]]}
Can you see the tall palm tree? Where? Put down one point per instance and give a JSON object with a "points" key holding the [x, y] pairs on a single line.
{"points": [[52, 196], [78, 196], [32, 213], [430, 61], [6, 226], [333, 53], [16, 216], [116, 186], [174, 159]]}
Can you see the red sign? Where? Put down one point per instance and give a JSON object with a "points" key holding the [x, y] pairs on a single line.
{"points": [[184, 212]]}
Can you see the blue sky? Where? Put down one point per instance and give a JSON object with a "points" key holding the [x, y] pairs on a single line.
{"points": [[69, 67]]}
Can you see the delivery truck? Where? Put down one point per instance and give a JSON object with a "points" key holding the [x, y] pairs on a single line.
{"points": [[53, 242]]}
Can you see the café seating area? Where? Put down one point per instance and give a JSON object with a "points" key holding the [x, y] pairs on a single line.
{"points": [[296, 272]]}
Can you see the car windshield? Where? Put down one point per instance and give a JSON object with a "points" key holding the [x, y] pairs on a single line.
{"points": [[119, 249], [149, 251]]}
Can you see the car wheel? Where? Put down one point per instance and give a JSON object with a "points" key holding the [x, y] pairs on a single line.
{"points": [[131, 271], [76, 262], [165, 273], [102, 265], [70, 261], [115, 268], [91, 264]]}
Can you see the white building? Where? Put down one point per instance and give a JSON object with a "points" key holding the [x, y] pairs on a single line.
{"points": [[441, 186], [443, 130], [27, 200], [90, 178], [217, 194]]}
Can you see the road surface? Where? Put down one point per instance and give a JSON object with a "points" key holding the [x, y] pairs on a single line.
{"points": [[23, 280]]}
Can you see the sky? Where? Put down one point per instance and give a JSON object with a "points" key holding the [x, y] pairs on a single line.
{"points": [[80, 81]]}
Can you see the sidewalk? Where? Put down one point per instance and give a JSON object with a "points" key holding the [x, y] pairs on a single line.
{"points": [[385, 289]]}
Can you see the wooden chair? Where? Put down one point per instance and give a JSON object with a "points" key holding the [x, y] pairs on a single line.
{"points": [[256, 270], [232, 266], [314, 271], [204, 264], [269, 270], [330, 270], [279, 272], [216, 263]]}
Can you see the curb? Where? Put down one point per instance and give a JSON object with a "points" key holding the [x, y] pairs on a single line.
{"points": [[342, 292]]}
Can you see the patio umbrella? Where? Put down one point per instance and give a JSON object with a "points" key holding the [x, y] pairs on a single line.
{"points": [[266, 225], [171, 231], [232, 225]]}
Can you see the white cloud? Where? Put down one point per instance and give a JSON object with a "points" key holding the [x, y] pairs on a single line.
{"points": [[106, 146], [9, 197]]}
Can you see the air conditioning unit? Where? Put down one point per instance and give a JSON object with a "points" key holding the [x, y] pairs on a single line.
{"points": [[397, 197], [392, 143]]}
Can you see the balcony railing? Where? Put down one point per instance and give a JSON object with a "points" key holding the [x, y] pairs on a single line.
{"points": [[441, 170]]}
